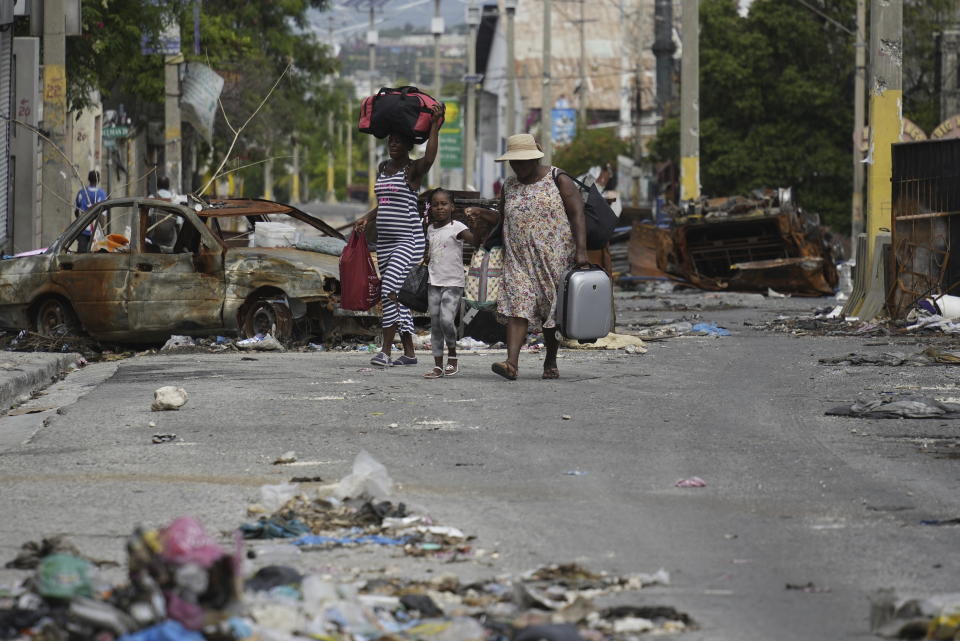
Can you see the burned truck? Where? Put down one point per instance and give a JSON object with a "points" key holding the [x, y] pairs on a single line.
{"points": [[740, 244]]}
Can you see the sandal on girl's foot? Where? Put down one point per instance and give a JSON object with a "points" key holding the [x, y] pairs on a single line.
{"points": [[405, 360], [452, 368], [505, 370], [436, 372], [551, 372], [381, 360]]}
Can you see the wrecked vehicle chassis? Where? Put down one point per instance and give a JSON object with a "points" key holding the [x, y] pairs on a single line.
{"points": [[129, 288]]}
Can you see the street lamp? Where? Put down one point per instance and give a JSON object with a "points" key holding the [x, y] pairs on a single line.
{"points": [[473, 21], [511, 8]]}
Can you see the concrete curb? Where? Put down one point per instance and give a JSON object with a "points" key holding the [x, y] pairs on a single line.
{"points": [[29, 372]]}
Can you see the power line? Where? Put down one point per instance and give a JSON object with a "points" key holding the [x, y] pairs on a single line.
{"points": [[827, 18]]}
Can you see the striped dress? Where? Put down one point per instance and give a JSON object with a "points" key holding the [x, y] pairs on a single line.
{"points": [[400, 243]]}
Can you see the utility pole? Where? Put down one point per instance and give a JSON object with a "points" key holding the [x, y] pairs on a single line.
{"points": [[511, 8], [663, 50], [295, 174], [331, 194], [856, 216], [56, 200], [349, 177], [172, 153], [436, 28], [582, 93], [690, 103], [886, 95], [546, 97], [372, 143], [470, 120]]}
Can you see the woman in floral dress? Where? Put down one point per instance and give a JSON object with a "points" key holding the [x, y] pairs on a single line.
{"points": [[543, 238]]}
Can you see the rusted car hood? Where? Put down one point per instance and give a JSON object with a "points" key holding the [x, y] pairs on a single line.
{"points": [[298, 272]]}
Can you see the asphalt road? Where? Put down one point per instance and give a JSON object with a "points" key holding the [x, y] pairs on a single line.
{"points": [[792, 496]]}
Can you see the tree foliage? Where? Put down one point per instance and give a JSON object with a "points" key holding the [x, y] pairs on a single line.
{"points": [[776, 97], [776, 102], [107, 56], [589, 148], [250, 44]]}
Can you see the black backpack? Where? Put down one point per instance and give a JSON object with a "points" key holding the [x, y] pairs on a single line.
{"points": [[597, 213]]}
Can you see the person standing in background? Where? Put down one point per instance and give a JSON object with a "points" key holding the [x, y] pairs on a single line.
{"points": [[87, 197]]}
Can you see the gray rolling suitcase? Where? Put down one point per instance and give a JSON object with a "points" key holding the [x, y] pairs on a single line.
{"points": [[585, 304]]}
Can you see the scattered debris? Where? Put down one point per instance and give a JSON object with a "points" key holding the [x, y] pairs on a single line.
{"points": [[906, 406], [610, 341], [177, 342], [286, 458], [184, 586], [933, 617], [806, 587], [954, 521], [709, 329], [169, 397], [261, 343], [163, 438], [693, 481], [929, 356]]}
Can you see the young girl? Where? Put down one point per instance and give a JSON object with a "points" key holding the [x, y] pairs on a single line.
{"points": [[445, 263]]}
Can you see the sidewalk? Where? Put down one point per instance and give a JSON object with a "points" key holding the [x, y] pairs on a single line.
{"points": [[26, 372]]}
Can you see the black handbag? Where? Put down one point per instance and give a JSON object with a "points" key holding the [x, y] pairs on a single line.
{"points": [[413, 292]]}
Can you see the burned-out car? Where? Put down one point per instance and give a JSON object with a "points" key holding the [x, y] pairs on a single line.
{"points": [[156, 268]]}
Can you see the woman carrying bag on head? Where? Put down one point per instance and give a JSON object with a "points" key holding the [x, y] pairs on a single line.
{"points": [[544, 236], [400, 240]]}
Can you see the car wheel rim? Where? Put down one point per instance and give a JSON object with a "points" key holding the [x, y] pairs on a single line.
{"points": [[51, 316], [264, 321]]}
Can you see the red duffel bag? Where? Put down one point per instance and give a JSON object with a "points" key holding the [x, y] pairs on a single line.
{"points": [[359, 283], [405, 111]]}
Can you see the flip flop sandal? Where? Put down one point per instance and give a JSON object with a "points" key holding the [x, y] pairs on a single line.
{"points": [[451, 370], [436, 372], [505, 370]]}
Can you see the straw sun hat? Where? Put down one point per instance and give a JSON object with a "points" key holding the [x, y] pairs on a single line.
{"points": [[521, 147]]}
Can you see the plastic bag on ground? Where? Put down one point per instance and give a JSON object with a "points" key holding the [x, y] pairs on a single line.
{"points": [[166, 631], [64, 576], [369, 477], [186, 541], [261, 343], [272, 497]]}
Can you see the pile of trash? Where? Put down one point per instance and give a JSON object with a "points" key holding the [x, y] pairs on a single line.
{"points": [[181, 581], [354, 511], [27, 341], [932, 617], [186, 586]]}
